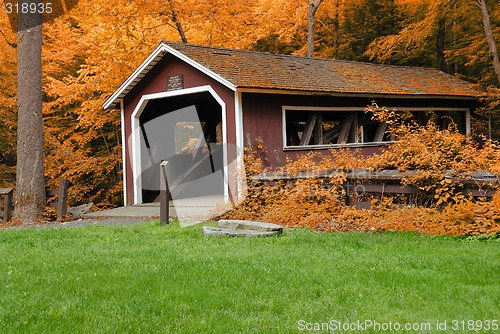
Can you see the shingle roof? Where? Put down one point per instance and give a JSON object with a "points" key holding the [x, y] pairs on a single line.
{"points": [[251, 69]]}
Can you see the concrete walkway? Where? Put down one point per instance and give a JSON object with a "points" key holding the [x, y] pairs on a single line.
{"points": [[188, 208], [188, 211]]}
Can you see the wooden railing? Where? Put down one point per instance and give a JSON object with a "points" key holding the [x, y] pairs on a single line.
{"points": [[360, 181], [56, 198], [6, 211], [60, 203]]}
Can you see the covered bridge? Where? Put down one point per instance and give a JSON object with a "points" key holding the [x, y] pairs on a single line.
{"points": [[198, 106]]}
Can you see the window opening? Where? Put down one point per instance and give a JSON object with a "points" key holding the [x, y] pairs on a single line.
{"points": [[334, 127], [304, 128]]}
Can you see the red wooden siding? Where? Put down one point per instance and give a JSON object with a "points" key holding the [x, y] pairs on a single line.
{"points": [[262, 117], [156, 82]]}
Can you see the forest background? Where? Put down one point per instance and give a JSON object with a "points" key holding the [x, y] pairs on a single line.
{"points": [[90, 51]]}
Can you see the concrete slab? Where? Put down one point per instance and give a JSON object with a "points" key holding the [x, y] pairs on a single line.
{"points": [[250, 225], [223, 232], [186, 208], [127, 211]]}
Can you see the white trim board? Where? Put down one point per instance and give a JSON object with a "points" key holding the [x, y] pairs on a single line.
{"points": [[240, 143], [124, 156], [154, 57]]}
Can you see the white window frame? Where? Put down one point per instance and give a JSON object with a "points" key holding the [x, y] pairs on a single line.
{"points": [[357, 109]]}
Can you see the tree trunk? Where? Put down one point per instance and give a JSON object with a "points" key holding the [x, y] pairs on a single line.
{"points": [[455, 41], [175, 19], [311, 12], [440, 44], [481, 4], [30, 181]]}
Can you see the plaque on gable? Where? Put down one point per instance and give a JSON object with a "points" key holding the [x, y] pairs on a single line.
{"points": [[175, 82]]}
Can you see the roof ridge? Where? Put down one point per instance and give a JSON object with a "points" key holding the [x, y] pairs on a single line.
{"points": [[303, 57]]}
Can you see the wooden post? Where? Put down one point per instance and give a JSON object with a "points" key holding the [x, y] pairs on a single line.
{"points": [[346, 127], [62, 208], [347, 187], [164, 194], [354, 132], [318, 130], [379, 135], [310, 124], [7, 203]]}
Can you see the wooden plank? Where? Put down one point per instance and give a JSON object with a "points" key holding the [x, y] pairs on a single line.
{"points": [[487, 189], [7, 203], [388, 189], [487, 179], [62, 208], [354, 134], [306, 136], [371, 188], [379, 135], [318, 130], [5, 191], [387, 174], [361, 204], [331, 134], [60, 202], [346, 126], [478, 192], [164, 194]]}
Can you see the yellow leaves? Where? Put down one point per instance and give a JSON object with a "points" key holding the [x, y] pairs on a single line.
{"points": [[283, 17]]}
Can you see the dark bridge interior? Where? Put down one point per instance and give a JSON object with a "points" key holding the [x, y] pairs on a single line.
{"points": [[202, 157]]}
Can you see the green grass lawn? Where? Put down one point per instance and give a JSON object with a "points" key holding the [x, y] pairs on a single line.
{"points": [[151, 279]]}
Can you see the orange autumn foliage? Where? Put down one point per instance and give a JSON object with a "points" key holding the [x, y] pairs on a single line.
{"points": [[317, 202], [90, 51]]}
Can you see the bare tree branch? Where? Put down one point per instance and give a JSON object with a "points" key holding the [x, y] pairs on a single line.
{"points": [[175, 19], [143, 32], [311, 12], [12, 44]]}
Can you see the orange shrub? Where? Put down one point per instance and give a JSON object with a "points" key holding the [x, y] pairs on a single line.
{"points": [[439, 158]]}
